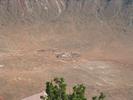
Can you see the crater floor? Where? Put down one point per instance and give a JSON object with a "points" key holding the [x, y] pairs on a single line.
{"points": [[24, 73]]}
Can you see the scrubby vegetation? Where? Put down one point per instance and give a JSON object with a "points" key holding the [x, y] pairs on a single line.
{"points": [[56, 90]]}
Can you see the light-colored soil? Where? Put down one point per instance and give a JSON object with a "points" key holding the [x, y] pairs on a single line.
{"points": [[100, 60]]}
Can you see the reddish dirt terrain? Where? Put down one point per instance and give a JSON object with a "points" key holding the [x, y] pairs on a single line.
{"points": [[84, 41], [27, 63]]}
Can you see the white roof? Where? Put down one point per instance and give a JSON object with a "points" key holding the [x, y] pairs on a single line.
{"points": [[35, 97]]}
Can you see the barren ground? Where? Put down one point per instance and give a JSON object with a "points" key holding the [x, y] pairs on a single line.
{"points": [[29, 57]]}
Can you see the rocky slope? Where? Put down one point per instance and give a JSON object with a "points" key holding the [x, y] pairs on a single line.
{"points": [[15, 11], [92, 25]]}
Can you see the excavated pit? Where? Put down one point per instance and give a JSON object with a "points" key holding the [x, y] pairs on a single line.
{"points": [[85, 41]]}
